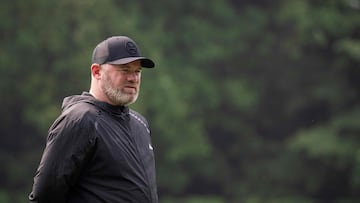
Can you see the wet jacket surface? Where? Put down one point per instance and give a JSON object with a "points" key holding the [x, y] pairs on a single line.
{"points": [[96, 152]]}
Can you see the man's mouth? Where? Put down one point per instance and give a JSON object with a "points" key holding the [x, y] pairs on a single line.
{"points": [[130, 89]]}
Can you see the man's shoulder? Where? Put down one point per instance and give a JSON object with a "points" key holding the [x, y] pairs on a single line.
{"points": [[77, 119], [78, 113], [81, 109], [140, 119], [136, 114]]}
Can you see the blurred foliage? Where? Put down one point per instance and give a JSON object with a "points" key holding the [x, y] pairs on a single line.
{"points": [[251, 101]]}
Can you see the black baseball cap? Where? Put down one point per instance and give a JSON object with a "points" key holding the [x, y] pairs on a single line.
{"points": [[119, 50]]}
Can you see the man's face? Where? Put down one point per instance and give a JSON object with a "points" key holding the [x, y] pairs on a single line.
{"points": [[121, 83]]}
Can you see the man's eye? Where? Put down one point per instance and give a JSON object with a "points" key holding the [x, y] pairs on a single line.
{"points": [[127, 70]]}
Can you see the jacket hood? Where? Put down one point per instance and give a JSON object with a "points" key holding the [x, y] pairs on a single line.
{"points": [[85, 97]]}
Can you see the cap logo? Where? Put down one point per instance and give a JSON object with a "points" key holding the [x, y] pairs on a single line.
{"points": [[131, 48]]}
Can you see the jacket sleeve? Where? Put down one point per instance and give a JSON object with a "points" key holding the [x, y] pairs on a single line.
{"points": [[69, 145]]}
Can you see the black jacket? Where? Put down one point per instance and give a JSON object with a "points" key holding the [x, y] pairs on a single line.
{"points": [[96, 152]]}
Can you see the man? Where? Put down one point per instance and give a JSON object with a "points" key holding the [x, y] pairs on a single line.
{"points": [[99, 150]]}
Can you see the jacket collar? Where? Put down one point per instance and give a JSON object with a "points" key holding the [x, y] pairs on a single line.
{"points": [[117, 111]]}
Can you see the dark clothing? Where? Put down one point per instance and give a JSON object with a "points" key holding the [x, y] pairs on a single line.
{"points": [[96, 152]]}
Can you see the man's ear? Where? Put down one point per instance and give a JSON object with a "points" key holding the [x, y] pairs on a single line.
{"points": [[95, 71]]}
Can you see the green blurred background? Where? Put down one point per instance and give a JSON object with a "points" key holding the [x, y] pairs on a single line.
{"points": [[253, 101]]}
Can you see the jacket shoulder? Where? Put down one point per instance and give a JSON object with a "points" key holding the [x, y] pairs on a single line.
{"points": [[79, 114], [137, 117]]}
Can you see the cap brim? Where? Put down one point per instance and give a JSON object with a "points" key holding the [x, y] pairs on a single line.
{"points": [[145, 62]]}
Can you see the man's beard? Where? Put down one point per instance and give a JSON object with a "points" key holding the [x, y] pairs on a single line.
{"points": [[117, 96]]}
